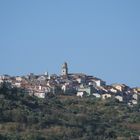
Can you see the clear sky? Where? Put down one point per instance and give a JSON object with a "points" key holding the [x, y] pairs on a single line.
{"points": [[96, 37]]}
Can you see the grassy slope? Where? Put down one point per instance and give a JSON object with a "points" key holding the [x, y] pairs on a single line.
{"points": [[65, 117]]}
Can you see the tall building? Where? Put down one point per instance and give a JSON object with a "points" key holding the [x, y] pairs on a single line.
{"points": [[64, 71]]}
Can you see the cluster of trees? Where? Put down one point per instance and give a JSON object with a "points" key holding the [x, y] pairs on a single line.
{"points": [[65, 118]]}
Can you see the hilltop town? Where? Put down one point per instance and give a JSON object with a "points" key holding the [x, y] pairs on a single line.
{"points": [[77, 84]]}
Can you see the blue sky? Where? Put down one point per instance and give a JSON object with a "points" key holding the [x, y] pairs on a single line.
{"points": [[97, 37]]}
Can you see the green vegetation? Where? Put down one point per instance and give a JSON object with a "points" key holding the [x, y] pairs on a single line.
{"points": [[23, 117]]}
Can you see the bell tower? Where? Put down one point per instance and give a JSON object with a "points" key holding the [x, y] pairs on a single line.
{"points": [[64, 71]]}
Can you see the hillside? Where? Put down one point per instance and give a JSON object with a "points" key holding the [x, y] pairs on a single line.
{"points": [[65, 118]]}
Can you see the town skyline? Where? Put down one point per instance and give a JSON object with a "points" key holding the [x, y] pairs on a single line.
{"points": [[97, 38], [59, 72], [64, 70], [75, 84]]}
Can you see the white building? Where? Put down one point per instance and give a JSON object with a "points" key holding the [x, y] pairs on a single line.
{"points": [[105, 96], [80, 94], [17, 84], [1, 81], [135, 96], [97, 95], [18, 78], [40, 94], [113, 90], [98, 82], [119, 98]]}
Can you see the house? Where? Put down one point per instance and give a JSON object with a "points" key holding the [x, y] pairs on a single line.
{"points": [[105, 96], [80, 93], [91, 83], [17, 84], [18, 79], [5, 77], [80, 80], [40, 94], [97, 95], [134, 102], [120, 87], [135, 96], [98, 82], [87, 89], [78, 77], [64, 88], [119, 98], [102, 89], [136, 90], [41, 78], [69, 89], [45, 89], [1, 81], [113, 90]]}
